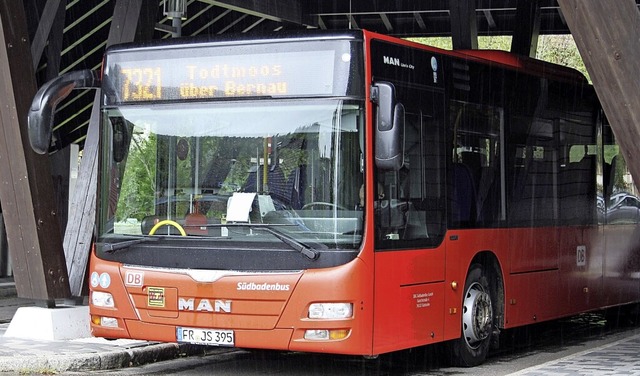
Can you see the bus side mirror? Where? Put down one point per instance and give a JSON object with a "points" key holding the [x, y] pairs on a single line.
{"points": [[389, 127], [120, 141], [43, 105]]}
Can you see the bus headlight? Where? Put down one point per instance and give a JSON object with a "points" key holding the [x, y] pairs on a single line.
{"points": [[102, 299], [330, 310]]}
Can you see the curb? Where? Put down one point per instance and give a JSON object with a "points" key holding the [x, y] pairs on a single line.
{"points": [[99, 361], [8, 291]]}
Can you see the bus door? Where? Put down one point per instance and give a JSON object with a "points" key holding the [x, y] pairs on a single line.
{"points": [[533, 170], [580, 245], [409, 215]]}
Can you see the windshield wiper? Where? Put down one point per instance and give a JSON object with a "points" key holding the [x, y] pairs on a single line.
{"points": [[291, 242], [112, 247], [286, 239]]}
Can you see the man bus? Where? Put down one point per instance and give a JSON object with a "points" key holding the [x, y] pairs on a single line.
{"points": [[347, 192]]}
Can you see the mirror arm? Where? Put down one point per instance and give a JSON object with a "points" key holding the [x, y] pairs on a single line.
{"points": [[43, 106]]}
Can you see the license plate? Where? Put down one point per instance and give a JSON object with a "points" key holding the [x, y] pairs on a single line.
{"points": [[211, 337]]}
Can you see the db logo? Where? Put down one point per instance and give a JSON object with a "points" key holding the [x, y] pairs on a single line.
{"points": [[581, 255], [134, 278]]}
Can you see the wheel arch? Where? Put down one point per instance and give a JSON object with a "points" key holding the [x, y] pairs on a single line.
{"points": [[490, 263]]}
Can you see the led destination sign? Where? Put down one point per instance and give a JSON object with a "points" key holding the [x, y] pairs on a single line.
{"points": [[136, 78]]}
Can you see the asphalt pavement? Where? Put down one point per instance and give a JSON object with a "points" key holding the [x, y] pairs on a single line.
{"points": [[617, 358], [28, 356]]}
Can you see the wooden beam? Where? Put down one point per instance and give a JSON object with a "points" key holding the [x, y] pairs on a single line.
{"points": [[489, 17], [26, 189], [44, 27], [420, 21], [353, 23], [386, 22], [527, 28], [54, 48], [464, 26], [132, 20], [59, 164], [276, 10], [321, 23], [607, 37], [368, 6]]}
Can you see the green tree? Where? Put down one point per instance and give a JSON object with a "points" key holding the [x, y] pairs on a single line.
{"points": [[562, 50], [138, 183]]}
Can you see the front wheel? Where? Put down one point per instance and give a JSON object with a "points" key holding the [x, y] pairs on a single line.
{"points": [[477, 320]]}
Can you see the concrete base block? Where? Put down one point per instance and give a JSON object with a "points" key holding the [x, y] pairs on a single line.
{"points": [[63, 322]]}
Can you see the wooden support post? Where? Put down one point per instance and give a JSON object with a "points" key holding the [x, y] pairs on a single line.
{"points": [[290, 11], [464, 26], [132, 20], [607, 35], [33, 231], [527, 28]]}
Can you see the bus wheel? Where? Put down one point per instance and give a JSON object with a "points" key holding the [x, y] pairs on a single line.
{"points": [[477, 321]]}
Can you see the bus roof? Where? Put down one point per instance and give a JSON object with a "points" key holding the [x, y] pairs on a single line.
{"points": [[503, 58], [527, 64]]}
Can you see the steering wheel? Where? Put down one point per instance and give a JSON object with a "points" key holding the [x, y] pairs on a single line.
{"points": [[322, 203], [170, 223]]}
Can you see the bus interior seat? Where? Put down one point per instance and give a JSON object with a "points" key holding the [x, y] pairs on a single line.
{"points": [[474, 161], [416, 227], [391, 210], [534, 198], [488, 196], [463, 200], [147, 223], [391, 213], [577, 193], [195, 224], [609, 176]]}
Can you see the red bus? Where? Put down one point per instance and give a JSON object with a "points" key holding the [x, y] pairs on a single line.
{"points": [[348, 192]]}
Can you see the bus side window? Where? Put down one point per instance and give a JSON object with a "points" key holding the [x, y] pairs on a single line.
{"points": [[622, 205], [475, 198]]}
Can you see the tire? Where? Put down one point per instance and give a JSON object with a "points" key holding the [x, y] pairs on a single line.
{"points": [[477, 324]]}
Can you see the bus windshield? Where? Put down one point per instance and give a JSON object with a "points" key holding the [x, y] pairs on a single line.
{"points": [[227, 170]]}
